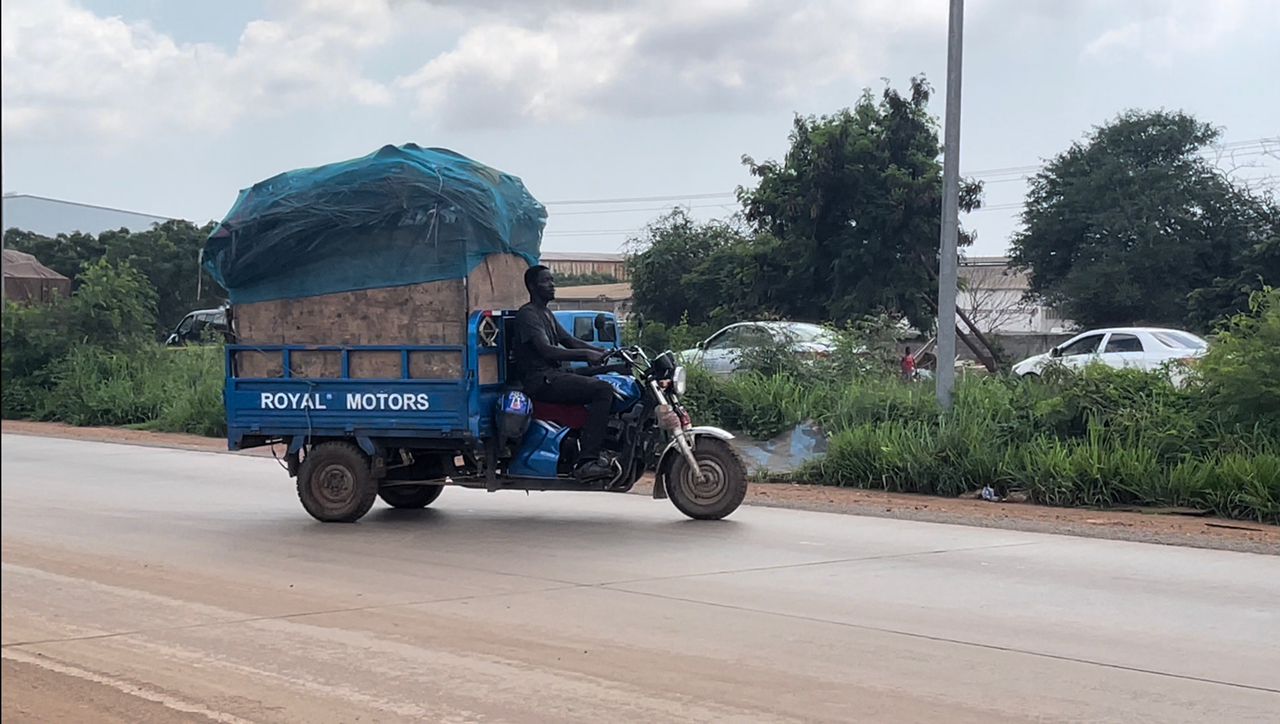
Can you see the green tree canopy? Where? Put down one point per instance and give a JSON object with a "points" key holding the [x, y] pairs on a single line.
{"points": [[1124, 227], [167, 255], [856, 208], [677, 268], [845, 226]]}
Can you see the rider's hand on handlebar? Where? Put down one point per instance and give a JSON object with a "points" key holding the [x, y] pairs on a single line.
{"points": [[596, 356]]}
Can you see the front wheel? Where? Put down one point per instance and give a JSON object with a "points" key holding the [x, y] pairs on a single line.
{"points": [[723, 485], [410, 496]]}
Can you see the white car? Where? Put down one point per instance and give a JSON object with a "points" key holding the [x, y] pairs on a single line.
{"points": [[1144, 348], [721, 353]]}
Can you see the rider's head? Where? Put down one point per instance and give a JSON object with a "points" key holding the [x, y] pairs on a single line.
{"points": [[540, 283]]}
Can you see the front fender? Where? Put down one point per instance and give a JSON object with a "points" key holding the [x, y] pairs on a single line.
{"points": [[664, 460]]}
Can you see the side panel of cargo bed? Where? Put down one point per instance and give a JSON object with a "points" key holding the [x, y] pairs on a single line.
{"points": [[397, 401]]}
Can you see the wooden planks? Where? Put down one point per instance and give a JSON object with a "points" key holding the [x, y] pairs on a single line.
{"points": [[432, 313]]}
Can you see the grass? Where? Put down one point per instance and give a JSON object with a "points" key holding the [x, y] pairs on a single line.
{"points": [[151, 387], [1100, 438]]}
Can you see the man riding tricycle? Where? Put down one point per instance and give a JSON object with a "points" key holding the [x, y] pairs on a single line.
{"points": [[354, 291], [535, 426]]}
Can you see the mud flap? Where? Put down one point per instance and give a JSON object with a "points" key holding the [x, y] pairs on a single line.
{"points": [[660, 485]]}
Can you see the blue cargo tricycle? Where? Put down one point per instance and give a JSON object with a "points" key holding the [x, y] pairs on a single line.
{"points": [[350, 439]]}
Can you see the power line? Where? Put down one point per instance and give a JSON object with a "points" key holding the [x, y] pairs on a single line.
{"points": [[638, 210], [638, 199], [1266, 145], [593, 232]]}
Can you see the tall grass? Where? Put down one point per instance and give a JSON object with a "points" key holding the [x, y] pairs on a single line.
{"points": [[162, 389], [1099, 438]]}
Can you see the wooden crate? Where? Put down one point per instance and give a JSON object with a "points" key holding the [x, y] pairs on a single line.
{"points": [[428, 313]]}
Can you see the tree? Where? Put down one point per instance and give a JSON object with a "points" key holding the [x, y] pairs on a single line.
{"points": [[166, 254], [677, 268], [855, 209], [1259, 265], [1124, 227], [112, 309]]}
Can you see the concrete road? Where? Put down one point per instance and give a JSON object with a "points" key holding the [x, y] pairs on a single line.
{"points": [[143, 584]]}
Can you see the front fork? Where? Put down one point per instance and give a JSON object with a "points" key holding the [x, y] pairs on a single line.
{"points": [[683, 440]]}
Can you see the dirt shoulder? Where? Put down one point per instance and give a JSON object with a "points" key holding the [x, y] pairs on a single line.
{"points": [[36, 694], [1144, 527]]}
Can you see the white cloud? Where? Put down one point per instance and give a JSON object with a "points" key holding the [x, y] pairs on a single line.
{"points": [[70, 71], [1164, 31], [659, 57], [494, 63]]}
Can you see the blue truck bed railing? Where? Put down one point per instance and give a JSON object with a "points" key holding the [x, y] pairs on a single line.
{"points": [[334, 403]]}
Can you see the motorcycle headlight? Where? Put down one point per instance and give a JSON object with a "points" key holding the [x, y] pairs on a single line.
{"points": [[680, 380]]}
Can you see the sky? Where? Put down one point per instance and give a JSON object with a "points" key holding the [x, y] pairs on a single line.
{"points": [[610, 111]]}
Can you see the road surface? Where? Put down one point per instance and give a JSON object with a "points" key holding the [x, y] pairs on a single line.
{"points": [[151, 585]]}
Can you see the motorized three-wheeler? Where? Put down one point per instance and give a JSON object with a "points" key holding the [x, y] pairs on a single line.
{"points": [[349, 440]]}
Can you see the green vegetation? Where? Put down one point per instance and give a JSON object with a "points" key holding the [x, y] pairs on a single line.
{"points": [[1100, 437], [845, 225], [1137, 226], [93, 360], [166, 256]]}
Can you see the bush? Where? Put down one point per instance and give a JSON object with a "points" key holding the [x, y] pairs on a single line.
{"points": [[1241, 372], [113, 309], [1097, 438], [162, 389]]}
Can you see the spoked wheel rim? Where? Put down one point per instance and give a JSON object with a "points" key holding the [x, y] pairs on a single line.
{"points": [[713, 486], [334, 484]]}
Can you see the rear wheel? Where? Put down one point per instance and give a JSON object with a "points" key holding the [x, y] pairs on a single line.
{"points": [[335, 483], [722, 487], [410, 496]]}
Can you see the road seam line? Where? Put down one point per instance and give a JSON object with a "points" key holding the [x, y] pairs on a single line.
{"points": [[943, 639], [812, 564]]}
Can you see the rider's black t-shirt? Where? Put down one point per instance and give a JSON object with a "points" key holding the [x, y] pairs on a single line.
{"points": [[534, 321]]}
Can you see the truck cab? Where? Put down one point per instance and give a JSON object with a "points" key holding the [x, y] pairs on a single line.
{"points": [[581, 323]]}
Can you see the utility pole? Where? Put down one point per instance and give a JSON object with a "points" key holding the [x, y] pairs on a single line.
{"points": [[948, 259]]}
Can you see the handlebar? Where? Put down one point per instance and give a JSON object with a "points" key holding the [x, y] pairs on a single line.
{"points": [[629, 356]]}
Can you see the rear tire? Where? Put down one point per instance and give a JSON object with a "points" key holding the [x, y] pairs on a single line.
{"points": [[725, 484], [335, 483], [410, 496]]}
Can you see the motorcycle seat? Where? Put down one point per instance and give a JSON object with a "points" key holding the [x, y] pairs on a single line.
{"points": [[573, 417]]}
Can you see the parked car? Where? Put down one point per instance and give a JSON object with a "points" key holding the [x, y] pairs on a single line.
{"points": [[193, 327], [721, 353], [1144, 348]]}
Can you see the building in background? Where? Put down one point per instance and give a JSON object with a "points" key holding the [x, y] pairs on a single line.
{"points": [[991, 294], [614, 298], [27, 281], [581, 264], [50, 217]]}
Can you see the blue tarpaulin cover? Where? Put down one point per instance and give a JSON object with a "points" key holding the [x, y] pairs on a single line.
{"points": [[402, 215]]}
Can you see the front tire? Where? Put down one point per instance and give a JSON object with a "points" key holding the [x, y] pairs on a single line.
{"points": [[410, 497], [335, 483], [724, 486]]}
